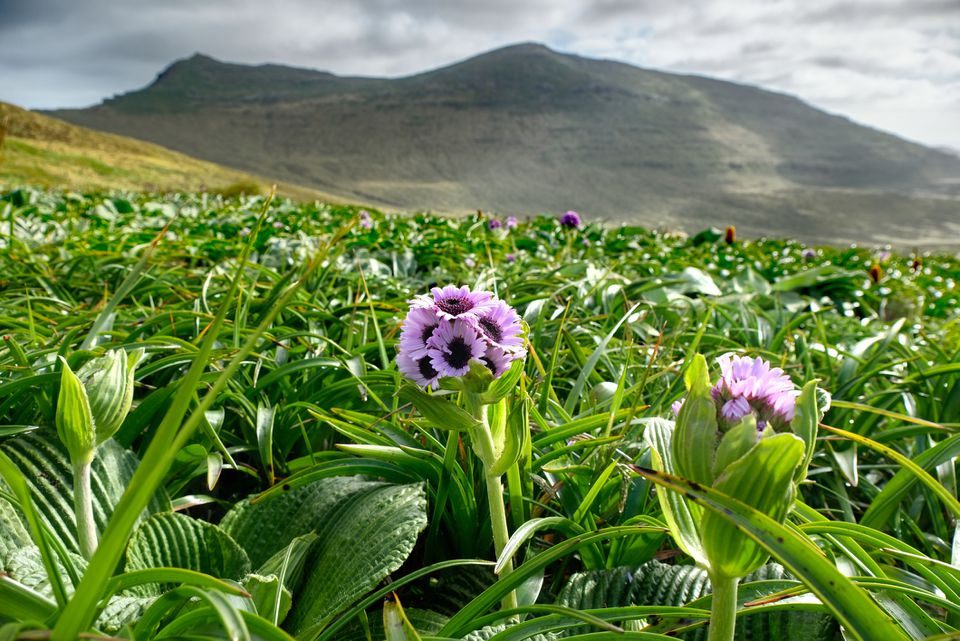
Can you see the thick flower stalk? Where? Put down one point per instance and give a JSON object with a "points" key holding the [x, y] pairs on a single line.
{"points": [[750, 435], [91, 406], [468, 340]]}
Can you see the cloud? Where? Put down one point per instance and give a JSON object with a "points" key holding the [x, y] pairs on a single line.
{"points": [[894, 64]]}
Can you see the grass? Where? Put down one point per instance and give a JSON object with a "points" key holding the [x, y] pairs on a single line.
{"points": [[46, 152], [290, 485]]}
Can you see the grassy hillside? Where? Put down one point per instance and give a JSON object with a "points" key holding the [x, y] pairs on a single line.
{"points": [[526, 129], [41, 151]]}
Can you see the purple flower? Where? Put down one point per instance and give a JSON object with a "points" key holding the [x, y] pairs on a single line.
{"points": [[451, 326], [511, 258], [571, 220], [419, 370], [497, 360], [808, 254], [494, 223], [470, 262], [750, 385], [244, 232], [277, 224], [417, 329], [452, 302], [365, 221], [511, 222], [676, 406], [499, 324], [453, 345]]}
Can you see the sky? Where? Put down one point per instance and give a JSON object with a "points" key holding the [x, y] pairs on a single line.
{"points": [[890, 64]]}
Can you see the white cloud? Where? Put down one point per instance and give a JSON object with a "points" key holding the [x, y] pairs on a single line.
{"points": [[894, 64]]}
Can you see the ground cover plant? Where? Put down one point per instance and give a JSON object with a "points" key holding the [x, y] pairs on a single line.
{"points": [[250, 418]]}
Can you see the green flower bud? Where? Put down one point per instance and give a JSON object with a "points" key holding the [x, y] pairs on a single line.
{"points": [[74, 420], [108, 381]]}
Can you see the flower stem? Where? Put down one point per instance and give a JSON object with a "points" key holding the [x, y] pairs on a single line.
{"points": [[83, 508], [484, 448], [723, 613]]}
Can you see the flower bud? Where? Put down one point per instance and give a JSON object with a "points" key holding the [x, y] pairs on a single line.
{"points": [[108, 381], [74, 420]]}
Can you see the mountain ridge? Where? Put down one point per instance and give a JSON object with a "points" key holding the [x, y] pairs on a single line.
{"points": [[527, 129]]}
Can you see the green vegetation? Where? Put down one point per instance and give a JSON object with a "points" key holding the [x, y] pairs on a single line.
{"points": [[273, 475]]}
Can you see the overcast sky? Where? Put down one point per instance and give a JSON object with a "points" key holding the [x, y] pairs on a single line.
{"points": [[892, 64]]}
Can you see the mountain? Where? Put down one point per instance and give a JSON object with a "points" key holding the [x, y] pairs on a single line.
{"points": [[40, 151], [527, 129]]}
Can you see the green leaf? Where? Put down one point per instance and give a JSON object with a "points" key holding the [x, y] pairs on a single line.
{"points": [[442, 413], [49, 475], [804, 424], [852, 606], [682, 516], [655, 583], [396, 625], [271, 598], [266, 526], [265, 438], [774, 460], [695, 434], [179, 541], [738, 440], [366, 539]]}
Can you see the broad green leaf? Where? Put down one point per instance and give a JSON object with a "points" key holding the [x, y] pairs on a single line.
{"points": [[177, 540], [738, 440], [264, 527], [49, 475], [367, 538], [762, 479]]}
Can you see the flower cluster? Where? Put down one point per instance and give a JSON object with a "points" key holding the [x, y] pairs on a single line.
{"points": [[451, 326], [571, 220], [750, 385], [365, 219]]}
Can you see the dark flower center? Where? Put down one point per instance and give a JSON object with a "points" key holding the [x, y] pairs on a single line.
{"points": [[427, 333], [455, 305], [458, 353], [426, 369], [493, 331], [490, 365]]}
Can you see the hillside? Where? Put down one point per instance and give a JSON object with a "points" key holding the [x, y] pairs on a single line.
{"points": [[41, 151], [526, 129]]}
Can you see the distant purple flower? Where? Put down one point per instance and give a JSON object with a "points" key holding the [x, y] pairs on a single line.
{"points": [[277, 224], [494, 223], [511, 258], [883, 256], [365, 220], [244, 232], [452, 302], [453, 345], [511, 222], [808, 254], [751, 385], [585, 242], [470, 262], [571, 220], [446, 329], [419, 370], [500, 325], [676, 406]]}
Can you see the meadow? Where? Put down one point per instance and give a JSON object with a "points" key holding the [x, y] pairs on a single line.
{"points": [[256, 466]]}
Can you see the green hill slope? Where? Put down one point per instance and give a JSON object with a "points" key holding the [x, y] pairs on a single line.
{"points": [[526, 129], [41, 151]]}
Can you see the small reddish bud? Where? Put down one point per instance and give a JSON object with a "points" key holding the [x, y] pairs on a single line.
{"points": [[731, 235], [876, 273]]}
